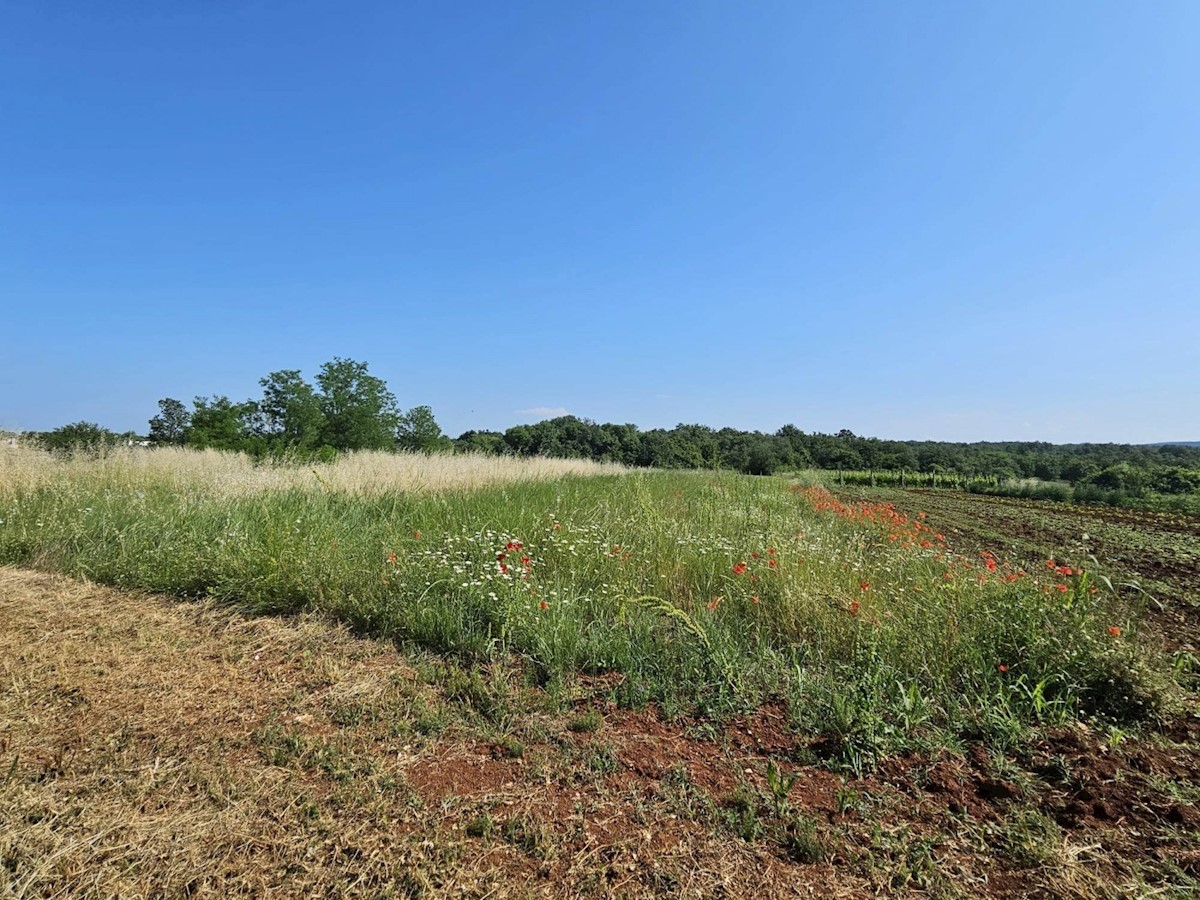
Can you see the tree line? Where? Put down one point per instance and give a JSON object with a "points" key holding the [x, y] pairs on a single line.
{"points": [[347, 408]]}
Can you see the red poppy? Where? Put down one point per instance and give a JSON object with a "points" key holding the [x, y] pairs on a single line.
{"points": [[1002, 667], [739, 569], [416, 535], [544, 605], [864, 585], [855, 606], [1114, 630], [391, 558], [772, 564]]}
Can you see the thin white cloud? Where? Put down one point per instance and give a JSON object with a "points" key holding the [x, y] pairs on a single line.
{"points": [[543, 412]]}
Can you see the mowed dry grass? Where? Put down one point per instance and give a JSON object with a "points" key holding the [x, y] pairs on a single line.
{"points": [[153, 748]]}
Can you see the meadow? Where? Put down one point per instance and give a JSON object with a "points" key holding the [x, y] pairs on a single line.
{"points": [[705, 593], [409, 675]]}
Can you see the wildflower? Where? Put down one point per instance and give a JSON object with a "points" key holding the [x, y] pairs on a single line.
{"points": [[416, 535], [925, 545], [1062, 588], [513, 545], [864, 585], [991, 564], [713, 604], [771, 550], [391, 558], [855, 606], [557, 525], [1114, 630], [754, 599], [755, 555], [526, 561], [772, 564], [739, 569], [1002, 667], [544, 605]]}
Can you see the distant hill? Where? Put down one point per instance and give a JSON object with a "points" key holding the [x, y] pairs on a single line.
{"points": [[1177, 444]]}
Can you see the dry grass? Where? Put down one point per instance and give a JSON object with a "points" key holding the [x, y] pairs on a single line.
{"points": [[151, 748], [158, 749], [222, 474]]}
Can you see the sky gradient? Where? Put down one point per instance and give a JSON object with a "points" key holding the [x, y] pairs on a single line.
{"points": [[955, 221]]}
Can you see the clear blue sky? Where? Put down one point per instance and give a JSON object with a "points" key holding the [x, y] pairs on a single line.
{"points": [[942, 220]]}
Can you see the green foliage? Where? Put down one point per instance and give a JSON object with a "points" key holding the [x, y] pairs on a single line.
{"points": [[709, 593], [360, 412], [418, 431], [349, 409], [291, 412], [1030, 469], [78, 437], [171, 424], [219, 423]]}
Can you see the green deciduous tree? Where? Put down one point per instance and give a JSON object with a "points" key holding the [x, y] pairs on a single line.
{"points": [[290, 412], [222, 424], [171, 424], [419, 431], [77, 437], [360, 412]]}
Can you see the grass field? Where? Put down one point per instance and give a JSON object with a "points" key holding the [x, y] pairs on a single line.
{"points": [[794, 661]]}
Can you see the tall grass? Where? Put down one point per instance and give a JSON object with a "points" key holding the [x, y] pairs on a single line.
{"points": [[219, 473], [707, 592]]}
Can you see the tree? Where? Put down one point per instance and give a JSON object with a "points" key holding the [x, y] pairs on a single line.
{"points": [[223, 425], [290, 411], [360, 412], [171, 424], [87, 437], [420, 432], [481, 442]]}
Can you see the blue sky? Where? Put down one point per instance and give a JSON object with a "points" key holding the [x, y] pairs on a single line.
{"points": [[958, 221]]}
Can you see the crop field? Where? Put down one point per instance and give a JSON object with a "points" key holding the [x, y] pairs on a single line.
{"points": [[549, 678], [1159, 551]]}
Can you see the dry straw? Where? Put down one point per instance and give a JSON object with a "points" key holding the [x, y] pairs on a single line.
{"points": [[222, 474]]}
